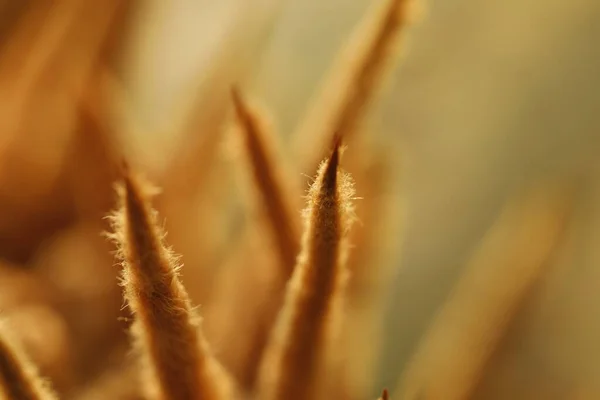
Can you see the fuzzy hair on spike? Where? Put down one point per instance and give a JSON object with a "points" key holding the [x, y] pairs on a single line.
{"points": [[166, 328], [308, 320]]}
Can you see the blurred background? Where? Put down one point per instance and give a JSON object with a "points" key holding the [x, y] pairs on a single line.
{"points": [[489, 98]]}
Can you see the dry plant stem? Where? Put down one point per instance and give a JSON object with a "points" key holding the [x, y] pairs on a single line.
{"points": [[452, 356], [357, 74], [279, 208], [18, 377], [166, 327], [296, 352]]}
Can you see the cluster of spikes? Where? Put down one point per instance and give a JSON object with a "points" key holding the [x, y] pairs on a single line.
{"points": [[167, 334], [292, 350], [295, 319]]}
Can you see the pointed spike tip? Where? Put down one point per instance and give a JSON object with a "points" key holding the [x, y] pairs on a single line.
{"points": [[330, 176], [337, 142]]}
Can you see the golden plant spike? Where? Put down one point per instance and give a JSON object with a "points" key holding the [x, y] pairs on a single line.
{"points": [[452, 356], [310, 315], [256, 267], [19, 379], [355, 77], [166, 328], [369, 264], [267, 177]]}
